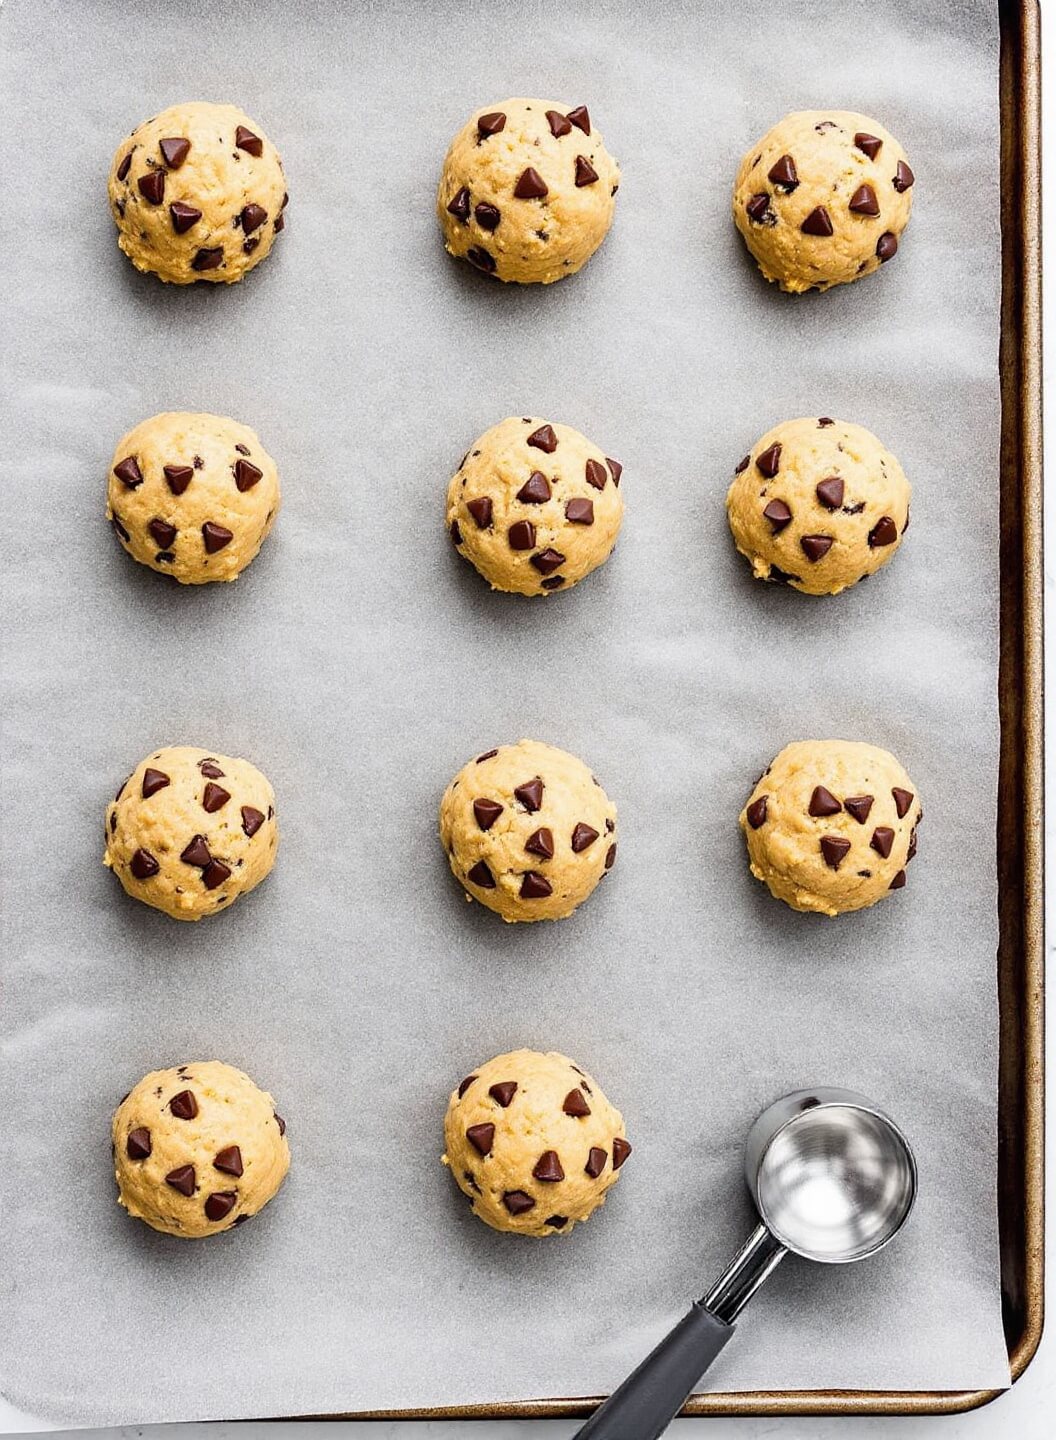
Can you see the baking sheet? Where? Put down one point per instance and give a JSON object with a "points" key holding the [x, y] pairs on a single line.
{"points": [[359, 662]]}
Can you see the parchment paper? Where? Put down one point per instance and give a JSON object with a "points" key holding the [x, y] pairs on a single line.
{"points": [[360, 661]]}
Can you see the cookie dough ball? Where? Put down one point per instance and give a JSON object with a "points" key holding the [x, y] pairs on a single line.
{"points": [[527, 191], [832, 825], [191, 830], [193, 496], [198, 193], [533, 1142], [528, 830], [535, 506], [197, 1149], [818, 504], [822, 199]]}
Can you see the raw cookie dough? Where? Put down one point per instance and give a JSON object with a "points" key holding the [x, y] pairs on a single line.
{"points": [[198, 193], [832, 825], [197, 1149], [191, 830], [528, 830], [533, 1142], [818, 504], [823, 199], [193, 496], [527, 191], [535, 506]]}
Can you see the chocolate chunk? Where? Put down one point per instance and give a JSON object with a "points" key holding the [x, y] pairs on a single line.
{"points": [[481, 1137], [208, 258], [535, 886], [758, 208], [824, 421], [480, 509], [490, 124], [817, 222], [783, 174], [620, 1150], [548, 560], [530, 185], [558, 1221], [610, 857], [823, 802], [859, 806], [214, 797], [456, 532], [246, 475], [615, 467], [183, 216], [182, 1179], [129, 473], [596, 1161], [575, 1104], [487, 812], [883, 839], [481, 259], [196, 852], [583, 836], [252, 820], [459, 206], [466, 1083], [767, 463], [503, 1092], [903, 177], [521, 535], [214, 874], [143, 865], [229, 1160], [541, 842], [481, 876], [246, 140], [163, 533], [887, 246], [864, 201], [756, 812], [585, 172], [220, 1204], [884, 532], [124, 167], [535, 490], [581, 118], [152, 186], [488, 216], [138, 1145], [174, 151], [215, 537], [530, 794], [184, 1106], [898, 882], [253, 217], [548, 1167], [559, 124], [178, 477], [580, 512], [815, 547], [153, 781], [834, 848], [830, 492], [868, 144], [543, 439], [779, 515], [596, 475], [210, 769], [903, 800], [517, 1202]]}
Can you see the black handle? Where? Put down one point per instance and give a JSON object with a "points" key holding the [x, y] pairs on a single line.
{"points": [[649, 1399]]}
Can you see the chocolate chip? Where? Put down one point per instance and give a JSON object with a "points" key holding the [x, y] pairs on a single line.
{"points": [[823, 802], [214, 874], [456, 532], [903, 800], [246, 475], [253, 217], [252, 820], [248, 246], [243, 450], [620, 1150], [543, 439], [129, 473], [214, 797], [779, 515], [834, 848], [208, 258], [459, 206], [220, 1204], [163, 533], [178, 477], [541, 842], [616, 469], [903, 177], [596, 475], [490, 124], [517, 1202], [830, 492], [521, 535], [124, 167], [488, 216], [280, 224], [580, 117], [548, 1167], [815, 547], [246, 140], [758, 208], [153, 781], [183, 216], [887, 247], [281, 1123], [884, 532], [466, 1083], [487, 812], [184, 1106], [503, 1092], [481, 259], [864, 201], [480, 509], [481, 876], [882, 841], [779, 576], [868, 144], [535, 490], [580, 512], [558, 1221], [585, 172], [196, 852], [152, 186], [817, 222], [143, 865], [859, 806], [610, 857], [210, 769], [898, 882], [182, 1179], [535, 886], [756, 812], [783, 174], [481, 1137], [767, 463], [138, 1145], [912, 850], [552, 582], [215, 537], [530, 185], [583, 836], [548, 560], [575, 1104], [530, 794], [596, 1161], [559, 124], [174, 151], [240, 1220], [486, 756], [229, 1160]]}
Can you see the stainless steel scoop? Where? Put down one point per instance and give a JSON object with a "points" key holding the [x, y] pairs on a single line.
{"points": [[833, 1179]]}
